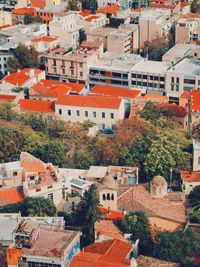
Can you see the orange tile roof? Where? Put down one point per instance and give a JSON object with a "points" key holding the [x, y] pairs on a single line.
{"points": [[184, 4], [5, 26], [13, 256], [155, 96], [114, 9], [36, 71], [191, 177], [36, 105], [108, 228], [85, 13], [89, 101], [33, 166], [86, 259], [17, 78], [92, 18], [159, 224], [114, 91], [185, 94], [24, 11], [115, 248], [162, 6], [47, 39], [110, 214], [11, 196], [195, 100], [75, 87], [7, 97]]}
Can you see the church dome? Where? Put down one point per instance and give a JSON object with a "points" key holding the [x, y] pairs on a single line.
{"points": [[158, 181]]}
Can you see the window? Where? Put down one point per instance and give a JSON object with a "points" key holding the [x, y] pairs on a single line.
{"points": [[81, 74], [81, 65], [14, 173], [94, 114], [108, 196], [78, 113], [103, 115], [198, 160], [112, 197], [69, 112], [72, 72], [60, 111], [50, 196], [86, 113], [104, 197], [189, 81], [112, 115]]}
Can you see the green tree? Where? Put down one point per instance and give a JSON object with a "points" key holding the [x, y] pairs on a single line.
{"points": [[180, 247], [28, 19], [24, 57], [194, 215], [82, 35], [38, 207], [195, 6], [83, 159], [194, 197], [72, 5], [137, 224], [88, 215]]}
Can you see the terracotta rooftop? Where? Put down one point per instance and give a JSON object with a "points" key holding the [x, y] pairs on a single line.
{"points": [[11, 196], [195, 100], [36, 105], [91, 18], [108, 228], [89, 101], [85, 13], [144, 261], [141, 199], [7, 97], [114, 247], [184, 4], [51, 89], [113, 9], [5, 26], [13, 256], [50, 243], [191, 177], [47, 39], [24, 11], [33, 166], [157, 5], [159, 224], [114, 91], [185, 94], [111, 214], [86, 259]]}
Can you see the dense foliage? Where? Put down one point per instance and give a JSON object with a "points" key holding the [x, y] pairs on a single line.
{"points": [[153, 142], [137, 224], [178, 247], [24, 57]]}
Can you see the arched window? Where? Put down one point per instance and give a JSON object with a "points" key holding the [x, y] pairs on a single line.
{"points": [[104, 197], [108, 196], [112, 197]]}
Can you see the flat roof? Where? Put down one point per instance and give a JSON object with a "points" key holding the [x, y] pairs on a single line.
{"points": [[180, 50], [97, 171], [151, 66], [7, 227], [188, 67], [50, 243]]}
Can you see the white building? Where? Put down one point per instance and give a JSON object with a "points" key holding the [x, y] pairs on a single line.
{"points": [[103, 111], [124, 4]]}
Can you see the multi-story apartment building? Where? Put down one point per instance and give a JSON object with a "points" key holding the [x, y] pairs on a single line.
{"points": [[65, 26], [125, 38], [149, 75], [69, 66], [183, 76], [5, 18], [124, 4], [113, 70], [154, 24], [103, 111], [188, 28]]}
